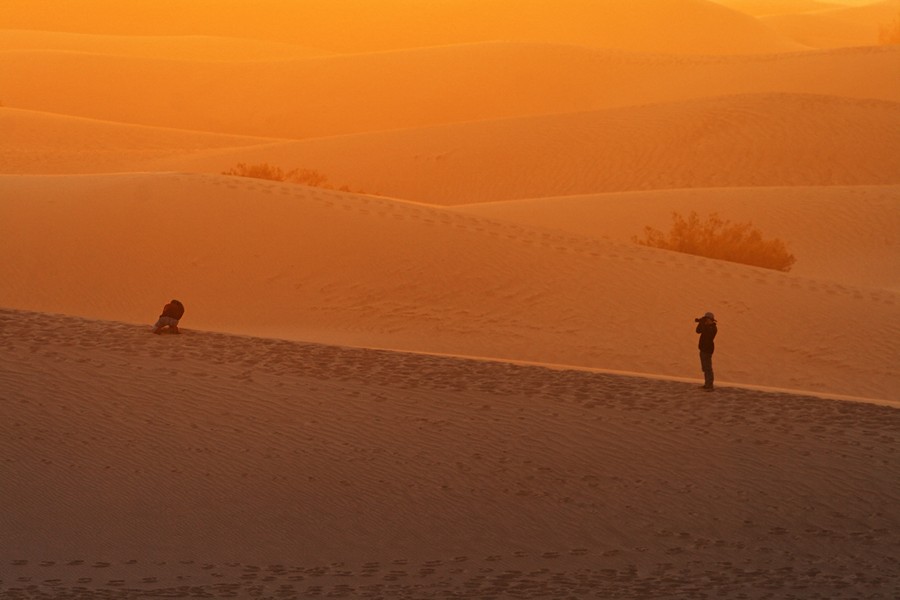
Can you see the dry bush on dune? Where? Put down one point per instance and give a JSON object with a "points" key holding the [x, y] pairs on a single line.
{"points": [[308, 177], [722, 240]]}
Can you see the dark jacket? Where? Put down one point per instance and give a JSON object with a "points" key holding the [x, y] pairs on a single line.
{"points": [[173, 309], [707, 330]]}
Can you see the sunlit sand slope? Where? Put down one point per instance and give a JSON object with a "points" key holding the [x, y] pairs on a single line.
{"points": [[280, 260], [204, 464], [679, 26], [352, 94], [846, 234], [184, 47], [760, 8], [842, 26], [35, 142], [736, 141]]}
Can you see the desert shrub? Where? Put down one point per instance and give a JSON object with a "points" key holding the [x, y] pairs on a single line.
{"points": [[260, 171], [309, 177], [720, 239], [890, 34]]}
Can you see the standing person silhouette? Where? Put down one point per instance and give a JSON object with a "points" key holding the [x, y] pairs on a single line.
{"points": [[706, 327]]}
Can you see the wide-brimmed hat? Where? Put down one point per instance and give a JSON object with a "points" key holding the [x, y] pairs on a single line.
{"points": [[709, 315]]}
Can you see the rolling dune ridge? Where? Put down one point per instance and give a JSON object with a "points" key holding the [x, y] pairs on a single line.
{"points": [[197, 47], [841, 26], [51, 143], [463, 379], [840, 233], [398, 90], [359, 26], [737, 141], [333, 267], [301, 470]]}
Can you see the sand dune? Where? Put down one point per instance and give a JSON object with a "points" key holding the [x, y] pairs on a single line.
{"points": [[837, 27], [338, 268], [843, 234], [761, 8], [735, 141], [360, 26], [352, 94], [186, 47], [238, 467], [385, 396], [34, 142], [758, 140]]}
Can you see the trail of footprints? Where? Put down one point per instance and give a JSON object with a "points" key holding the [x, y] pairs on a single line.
{"points": [[574, 573], [237, 579]]}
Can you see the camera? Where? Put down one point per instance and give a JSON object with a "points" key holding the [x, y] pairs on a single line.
{"points": [[698, 319]]}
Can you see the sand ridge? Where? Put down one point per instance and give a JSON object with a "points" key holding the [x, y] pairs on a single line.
{"points": [[51, 143], [350, 26], [188, 47], [733, 141], [839, 233], [761, 8], [840, 26], [509, 479], [462, 379], [397, 90], [337, 267]]}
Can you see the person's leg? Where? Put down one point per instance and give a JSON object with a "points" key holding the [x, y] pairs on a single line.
{"points": [[164, 322], [706, 365]]}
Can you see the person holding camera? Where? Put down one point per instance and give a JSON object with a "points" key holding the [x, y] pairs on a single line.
{"points": [[706, 327]]}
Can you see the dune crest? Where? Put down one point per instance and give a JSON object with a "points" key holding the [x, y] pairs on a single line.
{"points": [[332, 95], [837, 27], [350, 26], [733, 141], [340, 268], [36, 142], [762, 8], [840, 233], [184, 47], [289, 468], [464, 379]]}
